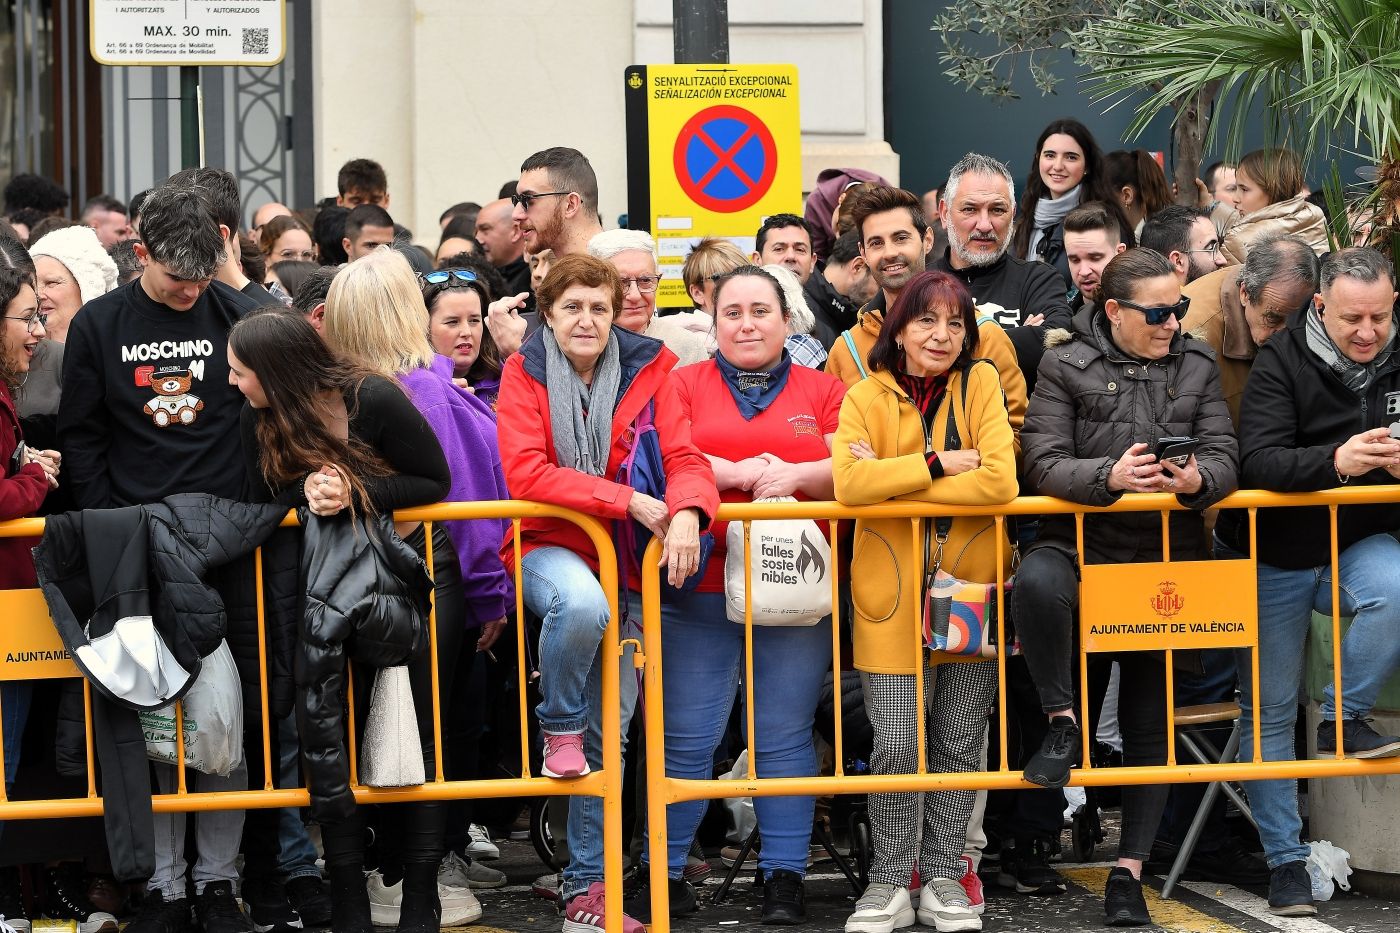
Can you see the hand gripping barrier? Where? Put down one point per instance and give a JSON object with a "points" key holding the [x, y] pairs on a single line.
{"points": [[1231, 589], [27, 633]]}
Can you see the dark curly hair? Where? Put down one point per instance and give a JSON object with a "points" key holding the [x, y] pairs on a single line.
{"points": [[12, 280]]}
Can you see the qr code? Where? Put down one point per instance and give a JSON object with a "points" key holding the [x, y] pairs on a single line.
{"points": [[255, 40]]}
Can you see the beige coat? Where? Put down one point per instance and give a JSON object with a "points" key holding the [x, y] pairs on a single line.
{"points": [[1294, 216]]}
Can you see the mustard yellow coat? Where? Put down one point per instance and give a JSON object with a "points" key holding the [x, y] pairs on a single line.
{"points": [[887, 557], [993, 344]]}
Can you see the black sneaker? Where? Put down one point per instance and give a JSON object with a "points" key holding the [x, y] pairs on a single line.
{"points": [[269, 909], [1123, 904], [217, 910], [12, 909], [783, 899], [307, 894], [158, 915], [1059, 752], [680, 892], [1359, 740], [1290, 891], [65, 898], [1025, 868]]}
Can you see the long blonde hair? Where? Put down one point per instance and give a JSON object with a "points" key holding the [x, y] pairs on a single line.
{"points": [[375, 315]]}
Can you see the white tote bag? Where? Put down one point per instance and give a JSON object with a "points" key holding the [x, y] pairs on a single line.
{"points": [[791, 571], [213, 719], [391, 754]]}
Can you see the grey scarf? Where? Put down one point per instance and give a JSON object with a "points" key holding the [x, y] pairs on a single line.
{"points": [[582, 441], [1356, 376], [1048, 213]]}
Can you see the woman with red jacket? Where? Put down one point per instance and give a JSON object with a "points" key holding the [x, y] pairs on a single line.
{"points": [[28, 476], [569, 404]]}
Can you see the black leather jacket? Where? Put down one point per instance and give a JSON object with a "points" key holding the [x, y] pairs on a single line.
{"points": [[366, 600]]}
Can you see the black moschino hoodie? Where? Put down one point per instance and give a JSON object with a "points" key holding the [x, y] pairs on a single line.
{"points": [[147, 410]]}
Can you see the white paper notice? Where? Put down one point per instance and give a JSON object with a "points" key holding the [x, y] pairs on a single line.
{"points": [[188, 32]]}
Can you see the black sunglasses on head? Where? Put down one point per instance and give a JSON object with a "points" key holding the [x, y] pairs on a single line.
{"points": [[1156, 316]]}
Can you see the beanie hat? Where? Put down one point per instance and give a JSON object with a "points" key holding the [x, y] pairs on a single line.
{"points": [[79, 249]]}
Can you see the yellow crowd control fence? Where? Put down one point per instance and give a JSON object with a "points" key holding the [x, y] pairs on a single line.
{"points": [[30, 649], [1167, 606], [1188, 601]]}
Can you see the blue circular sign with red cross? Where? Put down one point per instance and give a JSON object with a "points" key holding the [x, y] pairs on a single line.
{"points": [[725, 159]]}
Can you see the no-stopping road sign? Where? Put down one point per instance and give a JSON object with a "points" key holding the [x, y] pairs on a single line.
{"points": [[725, 158], [711, 151]]}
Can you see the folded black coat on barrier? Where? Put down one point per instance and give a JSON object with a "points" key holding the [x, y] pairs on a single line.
{"points": [[367, 599], [126, 590]]}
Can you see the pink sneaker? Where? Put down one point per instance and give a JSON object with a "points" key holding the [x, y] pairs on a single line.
{"points": [[972, 884], [563, 756], [585, 914]]}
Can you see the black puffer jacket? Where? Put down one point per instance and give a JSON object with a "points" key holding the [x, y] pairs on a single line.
{"points": [[367, 598], [1091, 403], [98, 567]]}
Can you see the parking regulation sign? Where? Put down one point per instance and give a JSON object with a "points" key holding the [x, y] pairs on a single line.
{"points": [[711, 151], [188, 32]]}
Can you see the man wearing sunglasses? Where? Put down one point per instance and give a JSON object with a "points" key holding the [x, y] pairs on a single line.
{"points": [[1321, 410], [556, 202], [1237, 308]]}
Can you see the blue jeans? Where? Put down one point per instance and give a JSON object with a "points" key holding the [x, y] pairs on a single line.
{"points": [[562, 590], [703, 656], [296, 857], [15, 697], [1370, 652]]}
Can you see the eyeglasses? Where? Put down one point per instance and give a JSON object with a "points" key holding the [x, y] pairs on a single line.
{"points": [[31, 321], [1158, 316], [526, 198], [1212, 247], [646, 284], [444, 276]]}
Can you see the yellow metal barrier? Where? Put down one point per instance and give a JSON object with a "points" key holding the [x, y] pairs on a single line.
{"points": [[26, 612], [663, 790]]}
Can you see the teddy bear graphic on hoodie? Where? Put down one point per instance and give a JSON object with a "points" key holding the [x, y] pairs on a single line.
{"points": [[173, 402]]}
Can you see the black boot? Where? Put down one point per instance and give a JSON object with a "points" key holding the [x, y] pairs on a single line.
{"points": [[420, 911], [349, 900]]}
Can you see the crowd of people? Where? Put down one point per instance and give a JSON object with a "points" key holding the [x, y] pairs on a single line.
{"points": [[952, 349]]}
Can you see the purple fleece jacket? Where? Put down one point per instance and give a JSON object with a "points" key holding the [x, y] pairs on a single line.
{"points": [[466, 428]]}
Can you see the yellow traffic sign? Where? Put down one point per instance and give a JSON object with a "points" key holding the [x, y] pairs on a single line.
{"points": [[712, 151]]}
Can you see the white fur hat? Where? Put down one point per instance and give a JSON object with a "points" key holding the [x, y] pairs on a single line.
{"points": [[79, 250]]}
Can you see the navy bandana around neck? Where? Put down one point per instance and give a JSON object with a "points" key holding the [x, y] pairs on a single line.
{"points": [[754, 391]]}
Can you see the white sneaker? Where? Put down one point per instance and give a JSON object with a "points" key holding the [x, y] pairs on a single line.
{"points": [[481, 846], [883, 908], [944, 905], [457, 872], [459, 905]]}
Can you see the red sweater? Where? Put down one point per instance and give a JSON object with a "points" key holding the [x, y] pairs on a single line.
{"points": [[793, 427], [533, 472], [20, 496]]}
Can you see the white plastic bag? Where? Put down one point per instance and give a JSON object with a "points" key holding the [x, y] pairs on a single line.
{"points": [[213, 719], [1328, 869], [741, 816], [791, 571], [391, 754]]}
